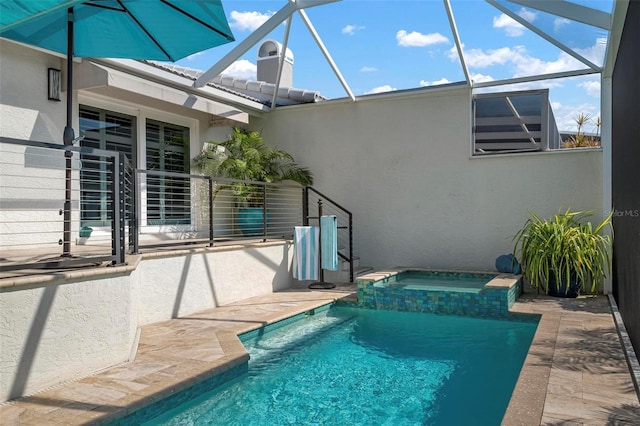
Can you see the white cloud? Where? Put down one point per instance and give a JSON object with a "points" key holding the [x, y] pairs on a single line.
{"points": [[242, 69], [481, 78], [351, 29], [523, 64], [248, 21], [591, 87], [416, 39], [527, 15], [443, 80], [596, 52], [559, 23], [529, 85], [368, 69], [511, 27], [194, 56], [479, 58], [565, 116], [381, 89]]}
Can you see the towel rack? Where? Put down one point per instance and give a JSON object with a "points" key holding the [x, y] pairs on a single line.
{"points": [[321, 284]]}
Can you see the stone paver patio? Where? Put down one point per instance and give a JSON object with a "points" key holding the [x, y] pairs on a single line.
{"points": [[575, 372]]}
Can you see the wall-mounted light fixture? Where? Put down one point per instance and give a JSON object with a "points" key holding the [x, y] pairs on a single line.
{"points": [[55, 84]]}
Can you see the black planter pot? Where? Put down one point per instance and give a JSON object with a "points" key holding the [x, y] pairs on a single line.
{"points": [[560, 290]]}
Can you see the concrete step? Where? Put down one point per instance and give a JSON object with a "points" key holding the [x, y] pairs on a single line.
{"points": [[362, 270], [342, 275]]}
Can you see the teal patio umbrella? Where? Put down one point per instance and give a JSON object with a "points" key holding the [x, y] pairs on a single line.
{"points": [[165, 30]]}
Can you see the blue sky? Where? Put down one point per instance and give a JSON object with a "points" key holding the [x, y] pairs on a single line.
{"points": [[388, 45]]}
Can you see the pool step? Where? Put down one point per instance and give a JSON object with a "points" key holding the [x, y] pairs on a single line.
{"points": [[342, 274]]}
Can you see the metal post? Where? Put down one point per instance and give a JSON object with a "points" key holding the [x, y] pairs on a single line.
{"points": [[133, 211], [68, 136], [137, 209], [321, 271], [264, 213], [210, 211], [305, 206], [350, 248], [117, 210], [321, 284]]}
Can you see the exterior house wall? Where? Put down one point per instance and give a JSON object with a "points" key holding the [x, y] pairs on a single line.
{"points": [[401, 163], [33, 179], [26, 113], [57, 331]]}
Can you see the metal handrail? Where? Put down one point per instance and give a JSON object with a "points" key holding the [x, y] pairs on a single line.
{"points": [[330, 206], [127, 210], [116, 167], [204, 210]]}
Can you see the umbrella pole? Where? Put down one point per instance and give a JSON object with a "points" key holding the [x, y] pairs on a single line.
{"points": [[68, 137]]}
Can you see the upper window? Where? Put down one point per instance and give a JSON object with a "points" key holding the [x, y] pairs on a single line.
{"points": [[514, 122]]}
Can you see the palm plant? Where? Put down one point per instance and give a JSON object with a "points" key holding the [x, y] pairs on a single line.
{"points": [[581, 139], [245, 156], [564, 250]]}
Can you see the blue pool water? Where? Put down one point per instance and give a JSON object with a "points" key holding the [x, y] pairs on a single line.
{"points": [[427, 280], [350, 366]]}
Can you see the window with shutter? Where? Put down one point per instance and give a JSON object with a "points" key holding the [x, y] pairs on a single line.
{"points": [[168, 197], [101, 130]]}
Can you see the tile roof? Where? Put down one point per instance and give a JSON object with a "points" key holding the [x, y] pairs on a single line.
{"points": [[258, 91]]}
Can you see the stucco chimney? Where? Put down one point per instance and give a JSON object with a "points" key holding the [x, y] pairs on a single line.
{"points": [[269, 55]]}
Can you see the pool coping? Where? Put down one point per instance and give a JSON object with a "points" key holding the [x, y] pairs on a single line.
{"points": [[564, 376], [500, 279]]}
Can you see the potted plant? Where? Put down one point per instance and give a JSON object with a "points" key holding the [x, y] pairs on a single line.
{"points": [[564, 254], [245, 156]]}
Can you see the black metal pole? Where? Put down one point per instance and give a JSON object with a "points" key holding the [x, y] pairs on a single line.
{"points": [[350, 248], [320, 284], [264, 214], [321, 271], [117, 209], [68, 137], [305, 206], [211, 236], [135, 211]]}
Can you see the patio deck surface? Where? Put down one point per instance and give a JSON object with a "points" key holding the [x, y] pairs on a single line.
{"points": [[575, 372]]}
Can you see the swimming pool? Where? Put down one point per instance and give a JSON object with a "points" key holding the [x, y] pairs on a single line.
{"points": [[351, 366], [442, 292]]}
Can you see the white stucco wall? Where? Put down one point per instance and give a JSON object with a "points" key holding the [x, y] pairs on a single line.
{"points": [[25, 112], [176, 286], [57, 331], [402, 165]]}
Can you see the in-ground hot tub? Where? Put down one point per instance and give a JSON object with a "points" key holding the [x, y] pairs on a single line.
{"points": [[481, 294]]}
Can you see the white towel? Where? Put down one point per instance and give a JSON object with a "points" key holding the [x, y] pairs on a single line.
{"points": [[329, 242], [305, 254]]}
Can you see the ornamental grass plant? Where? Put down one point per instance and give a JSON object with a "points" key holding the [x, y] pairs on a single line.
{"points": [[563, 249]]}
